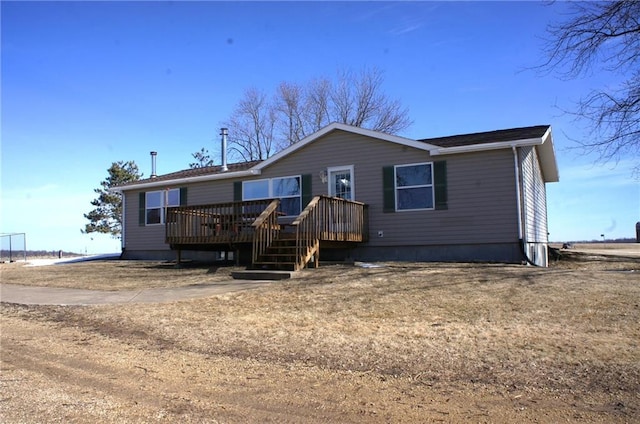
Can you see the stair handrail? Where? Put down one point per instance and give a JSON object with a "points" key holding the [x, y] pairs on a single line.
{"points": [[328, 218], [266, 229], [307, 231]]}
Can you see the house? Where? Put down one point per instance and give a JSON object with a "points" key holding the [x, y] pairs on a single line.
{"points": [[349, 192]]}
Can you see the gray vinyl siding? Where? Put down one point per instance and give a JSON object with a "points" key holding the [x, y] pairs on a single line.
{"points": [[481, 190], [482, 206], [534, 197], [152, 237], [138, 237]]}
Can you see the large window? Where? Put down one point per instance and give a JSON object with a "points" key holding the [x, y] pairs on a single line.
{"points": [[414, 186], [155, 203], [287, 189]]}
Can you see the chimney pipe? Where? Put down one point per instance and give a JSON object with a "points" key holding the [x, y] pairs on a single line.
{"points": [[153, 164], [224, 132]]}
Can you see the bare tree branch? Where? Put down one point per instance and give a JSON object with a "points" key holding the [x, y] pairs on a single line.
{"points": [[602, 37], [317, 105], [252, 124], [290, 108], [259, 126]]}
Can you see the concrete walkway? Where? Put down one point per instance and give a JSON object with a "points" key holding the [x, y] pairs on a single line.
{"points": [[33, 295]]}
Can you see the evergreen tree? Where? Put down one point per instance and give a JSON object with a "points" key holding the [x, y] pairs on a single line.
{"points": [[106, 218], [202, 159]]}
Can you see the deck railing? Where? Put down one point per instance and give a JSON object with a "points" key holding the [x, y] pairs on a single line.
{"points": [[266, 229], [328, 219], [220, 223]]}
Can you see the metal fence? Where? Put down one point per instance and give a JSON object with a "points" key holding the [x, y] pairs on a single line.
{"points": [[13, 247]]}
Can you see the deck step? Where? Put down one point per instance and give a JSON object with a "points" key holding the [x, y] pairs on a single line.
{"points": [[262, 274], [274, 265]]}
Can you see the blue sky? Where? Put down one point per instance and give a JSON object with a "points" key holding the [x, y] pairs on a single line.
{"points": [[85, 84]]}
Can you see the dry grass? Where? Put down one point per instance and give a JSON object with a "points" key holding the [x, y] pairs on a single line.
{"points": [[431, 321], [114, 274], [570, 332], [505, 325]]}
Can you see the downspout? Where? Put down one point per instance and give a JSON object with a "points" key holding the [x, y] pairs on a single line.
{"points": [[122, 226], [521, 240]]}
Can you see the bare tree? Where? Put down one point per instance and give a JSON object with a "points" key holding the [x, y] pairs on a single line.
{"points": [[290, 106], [259, 127], [252, 127], [317, 105], [342, 98], [603, 36]]}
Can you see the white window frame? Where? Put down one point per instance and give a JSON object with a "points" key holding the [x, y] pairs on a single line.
{"points": [[164, 204], [270, 185], [396, 188], [350, 168]]}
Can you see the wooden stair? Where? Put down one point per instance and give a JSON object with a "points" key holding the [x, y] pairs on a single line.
{"points": [[291, 247], [281, 255]]}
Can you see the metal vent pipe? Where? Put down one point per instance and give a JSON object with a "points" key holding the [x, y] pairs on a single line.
{"points": [[224, 132], [153, 164]]}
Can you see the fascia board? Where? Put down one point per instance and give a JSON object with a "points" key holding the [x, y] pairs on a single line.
{"points": [[486, 146], [548, 161], [388, 137], [187, 180], [347, 128]]}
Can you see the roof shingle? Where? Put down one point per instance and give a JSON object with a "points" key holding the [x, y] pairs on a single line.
{"points": [[498, 136], [198, 172]]}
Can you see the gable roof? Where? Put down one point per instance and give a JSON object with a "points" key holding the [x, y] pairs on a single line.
{"points": [[336, 126], [539, 136]]}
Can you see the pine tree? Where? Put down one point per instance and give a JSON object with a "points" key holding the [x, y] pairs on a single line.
{"points": [[106, 218]]}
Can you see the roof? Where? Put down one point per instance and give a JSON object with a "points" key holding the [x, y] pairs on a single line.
{"points": [[347, 128], [539, 135], [205, 173], [498, 136]]}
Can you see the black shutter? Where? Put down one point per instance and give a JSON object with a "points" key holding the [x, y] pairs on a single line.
{"points": [[237, 191], [183, 196], [440, 184], [389, 189], [307, 190], [142, 210]]}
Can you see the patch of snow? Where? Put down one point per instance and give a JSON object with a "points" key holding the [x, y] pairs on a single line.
{"points": [[45, 262], [368, 265]]}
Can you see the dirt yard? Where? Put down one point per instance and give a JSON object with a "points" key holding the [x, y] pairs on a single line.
{"points": [[396, 343]]}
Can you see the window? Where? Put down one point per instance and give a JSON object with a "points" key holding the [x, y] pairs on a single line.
{"points": [[155, 204], [287, 189], [414, 186], [256, 190]]}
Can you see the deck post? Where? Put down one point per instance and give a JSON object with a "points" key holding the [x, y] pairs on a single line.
{"points": [[178, 256]]}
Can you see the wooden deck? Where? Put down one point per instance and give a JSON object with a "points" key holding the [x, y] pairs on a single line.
{"points": [[214, 224], [277, 242]]}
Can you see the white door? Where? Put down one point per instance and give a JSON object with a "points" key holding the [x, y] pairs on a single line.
{"points": [[341, 182]]}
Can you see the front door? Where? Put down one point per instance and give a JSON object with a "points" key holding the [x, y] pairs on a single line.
{"points": [[341, 182]]}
